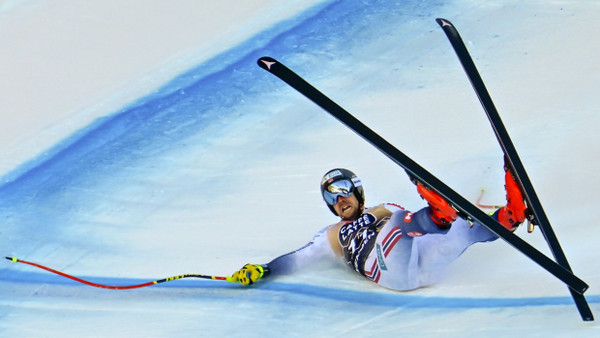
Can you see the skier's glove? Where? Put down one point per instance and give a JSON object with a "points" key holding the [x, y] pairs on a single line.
{"points": [[249, 274]]}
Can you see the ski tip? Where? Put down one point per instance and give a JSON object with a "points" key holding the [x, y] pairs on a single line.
{"points": [[443, 22], [266, 62]]}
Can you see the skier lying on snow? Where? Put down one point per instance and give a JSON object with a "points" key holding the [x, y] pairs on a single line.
{"points": [[390, 246]]}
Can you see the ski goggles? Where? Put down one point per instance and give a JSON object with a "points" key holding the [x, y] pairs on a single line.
{"points": [[338, 188]]}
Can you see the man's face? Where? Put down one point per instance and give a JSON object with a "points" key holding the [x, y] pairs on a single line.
{"points": [[347, 208]]}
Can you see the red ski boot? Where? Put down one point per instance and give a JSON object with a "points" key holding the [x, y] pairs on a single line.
{"points": [[513, 214], [442, 213]]}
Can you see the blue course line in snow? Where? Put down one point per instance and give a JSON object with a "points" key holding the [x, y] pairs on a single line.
{"points": [[385, 298], [217, 90]]}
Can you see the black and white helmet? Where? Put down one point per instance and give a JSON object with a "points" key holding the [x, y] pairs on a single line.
{"points": [[346, 183]]}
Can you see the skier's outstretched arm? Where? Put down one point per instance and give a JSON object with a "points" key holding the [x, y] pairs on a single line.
{"points": [[316, 249]]}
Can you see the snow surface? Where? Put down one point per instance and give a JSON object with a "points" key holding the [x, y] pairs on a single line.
{"points": [[139, 140]]}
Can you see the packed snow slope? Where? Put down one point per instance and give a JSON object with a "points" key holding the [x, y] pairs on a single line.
{"points": [[140, 140]]}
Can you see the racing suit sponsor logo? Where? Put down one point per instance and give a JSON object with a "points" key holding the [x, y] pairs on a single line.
{"points": [[358, 239]]}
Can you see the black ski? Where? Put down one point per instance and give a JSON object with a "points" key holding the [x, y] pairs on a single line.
{"points": [[536, 212], [414, 170]]}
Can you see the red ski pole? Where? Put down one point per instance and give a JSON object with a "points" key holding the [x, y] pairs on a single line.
{"points": [[16, 260]]}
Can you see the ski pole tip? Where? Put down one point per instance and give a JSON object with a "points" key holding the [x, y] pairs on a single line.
{"points": [[12, 259]]}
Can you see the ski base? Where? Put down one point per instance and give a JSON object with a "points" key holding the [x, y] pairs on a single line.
{"points": [[536, 214], [466, 209]]}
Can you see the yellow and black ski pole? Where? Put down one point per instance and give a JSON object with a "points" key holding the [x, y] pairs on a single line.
{"points": [[16, 260]]}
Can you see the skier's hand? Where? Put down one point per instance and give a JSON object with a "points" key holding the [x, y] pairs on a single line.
{"points": [[248, 274]]}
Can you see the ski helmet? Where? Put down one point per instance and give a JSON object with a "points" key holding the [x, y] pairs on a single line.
{"points": [[339, 174]]}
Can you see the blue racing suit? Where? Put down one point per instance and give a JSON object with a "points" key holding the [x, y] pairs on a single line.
{"points": [[389, 245]]}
